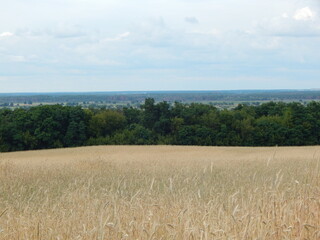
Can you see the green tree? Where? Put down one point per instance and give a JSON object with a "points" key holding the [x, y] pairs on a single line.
{"points": [[150, 113], [106, 123]]}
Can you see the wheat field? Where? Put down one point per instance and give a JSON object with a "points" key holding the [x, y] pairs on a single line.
{"points": [[160, 192]]}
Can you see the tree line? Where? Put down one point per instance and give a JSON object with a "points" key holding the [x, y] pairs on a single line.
{"points": [[56, 126]]}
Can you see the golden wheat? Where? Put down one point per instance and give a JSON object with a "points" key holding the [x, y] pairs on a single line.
{"points": [[160, 192]]}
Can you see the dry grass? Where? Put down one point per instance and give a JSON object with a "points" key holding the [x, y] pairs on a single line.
{"points": [[160, 193]]}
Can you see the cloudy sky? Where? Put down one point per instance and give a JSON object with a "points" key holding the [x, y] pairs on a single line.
{"points": [[120, 45]]}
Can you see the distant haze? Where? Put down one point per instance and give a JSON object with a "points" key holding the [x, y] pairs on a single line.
{"points": [[143, 45]]}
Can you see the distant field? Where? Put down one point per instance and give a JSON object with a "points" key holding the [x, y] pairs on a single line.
{"points": [[221, 99], [160, 192]]}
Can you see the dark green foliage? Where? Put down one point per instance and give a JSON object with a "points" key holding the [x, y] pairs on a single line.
{"points": [[195, 135], [106, 123], [56, 126], [132, 115], [150, 113], [270, 131]]}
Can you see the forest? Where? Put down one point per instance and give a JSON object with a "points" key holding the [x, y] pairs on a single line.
{"points": [[155, 123]]}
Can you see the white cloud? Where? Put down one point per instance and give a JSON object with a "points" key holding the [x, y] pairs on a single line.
{"points": [[3, 79], [66, 34], [115, 39], [271, 43], [191, 20], [6, 34], [212, 32], [102, 61], [304, 14], [17, 58], [118, 38], [291, 24], [124, 35]]}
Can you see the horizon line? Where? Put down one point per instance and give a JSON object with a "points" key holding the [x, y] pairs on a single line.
{"points": [[160, 91]]}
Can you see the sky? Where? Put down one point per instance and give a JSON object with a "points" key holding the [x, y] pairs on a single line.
{"points": [[150, 45]]}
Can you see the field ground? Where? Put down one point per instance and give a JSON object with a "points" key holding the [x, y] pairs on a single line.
{"points": [[160, 192]]}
